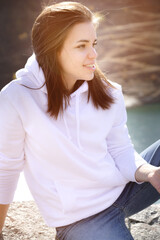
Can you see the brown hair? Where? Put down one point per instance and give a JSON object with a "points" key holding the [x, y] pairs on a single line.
{"points": [[48, 35]]}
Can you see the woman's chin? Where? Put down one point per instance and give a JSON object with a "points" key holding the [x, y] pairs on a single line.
{"points": [[89, 78]]}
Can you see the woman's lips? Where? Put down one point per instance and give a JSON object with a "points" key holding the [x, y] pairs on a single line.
{"points": [[90, 66]]}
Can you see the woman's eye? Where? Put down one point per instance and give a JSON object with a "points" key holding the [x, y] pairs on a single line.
{"points": [[81, 46], [95, 44]]}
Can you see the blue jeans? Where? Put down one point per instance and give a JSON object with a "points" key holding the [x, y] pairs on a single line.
{"points": [[110, 223]]}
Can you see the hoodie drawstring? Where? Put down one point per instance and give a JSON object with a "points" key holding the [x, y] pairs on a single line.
{"points": [[67, 128], [77, 122]]}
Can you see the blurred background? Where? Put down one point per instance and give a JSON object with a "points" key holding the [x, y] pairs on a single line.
{"points": [[128, 52]]}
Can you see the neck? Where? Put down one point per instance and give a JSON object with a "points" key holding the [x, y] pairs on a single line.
{"points": [[77, 84]]}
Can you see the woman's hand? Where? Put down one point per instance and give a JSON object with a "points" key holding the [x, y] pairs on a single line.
{"points": [[149, 173], [3, 213], [1, 236], [154, 178]]}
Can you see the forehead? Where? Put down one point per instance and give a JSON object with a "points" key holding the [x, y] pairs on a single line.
{"points": [[81, 31]]}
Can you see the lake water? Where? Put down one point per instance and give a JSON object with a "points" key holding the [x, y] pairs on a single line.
{"points": [[144, 128], [144, 125]]}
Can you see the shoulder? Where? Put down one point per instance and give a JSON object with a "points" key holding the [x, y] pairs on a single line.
{"points": [[10, 89], [114, 89], [15, 94], [9, 108], [18, 88], [12, 86]]}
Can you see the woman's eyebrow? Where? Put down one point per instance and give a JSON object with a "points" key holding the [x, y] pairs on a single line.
{"points": [[87, 41]]}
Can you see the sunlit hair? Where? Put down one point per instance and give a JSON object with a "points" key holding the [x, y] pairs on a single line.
{"points": [[48, 35]]}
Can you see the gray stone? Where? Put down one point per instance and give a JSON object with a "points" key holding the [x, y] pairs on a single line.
{"points": [[146, 224]]}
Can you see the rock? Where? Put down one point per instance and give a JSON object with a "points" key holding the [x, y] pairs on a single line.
{"points": [[143, 231], [149, 216], [24, 222], [145, 225]]}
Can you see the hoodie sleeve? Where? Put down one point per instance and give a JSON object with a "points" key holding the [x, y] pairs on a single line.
{"points": [[11, 149], [119, 143]]}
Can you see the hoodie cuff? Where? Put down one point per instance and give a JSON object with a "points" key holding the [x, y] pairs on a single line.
{"points": [[139, 161]]}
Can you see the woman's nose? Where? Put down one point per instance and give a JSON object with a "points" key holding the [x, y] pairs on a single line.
{"points": [[92, 53]]}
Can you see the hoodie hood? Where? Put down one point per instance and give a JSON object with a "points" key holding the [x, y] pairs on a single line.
{"points": [[34, 72]]}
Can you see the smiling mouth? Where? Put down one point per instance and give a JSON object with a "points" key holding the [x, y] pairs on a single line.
{"points": [[90, 66]]}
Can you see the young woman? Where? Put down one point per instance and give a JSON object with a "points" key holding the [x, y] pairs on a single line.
{"points": [[64, 124]]}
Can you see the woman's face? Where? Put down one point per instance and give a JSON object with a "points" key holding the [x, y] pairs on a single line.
{"points": [[78, 55]]}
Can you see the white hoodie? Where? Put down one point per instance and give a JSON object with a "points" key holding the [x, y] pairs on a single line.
{"points": [[75, 166]]}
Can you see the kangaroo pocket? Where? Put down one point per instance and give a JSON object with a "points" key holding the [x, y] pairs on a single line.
{"points": [[79, 194]]}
